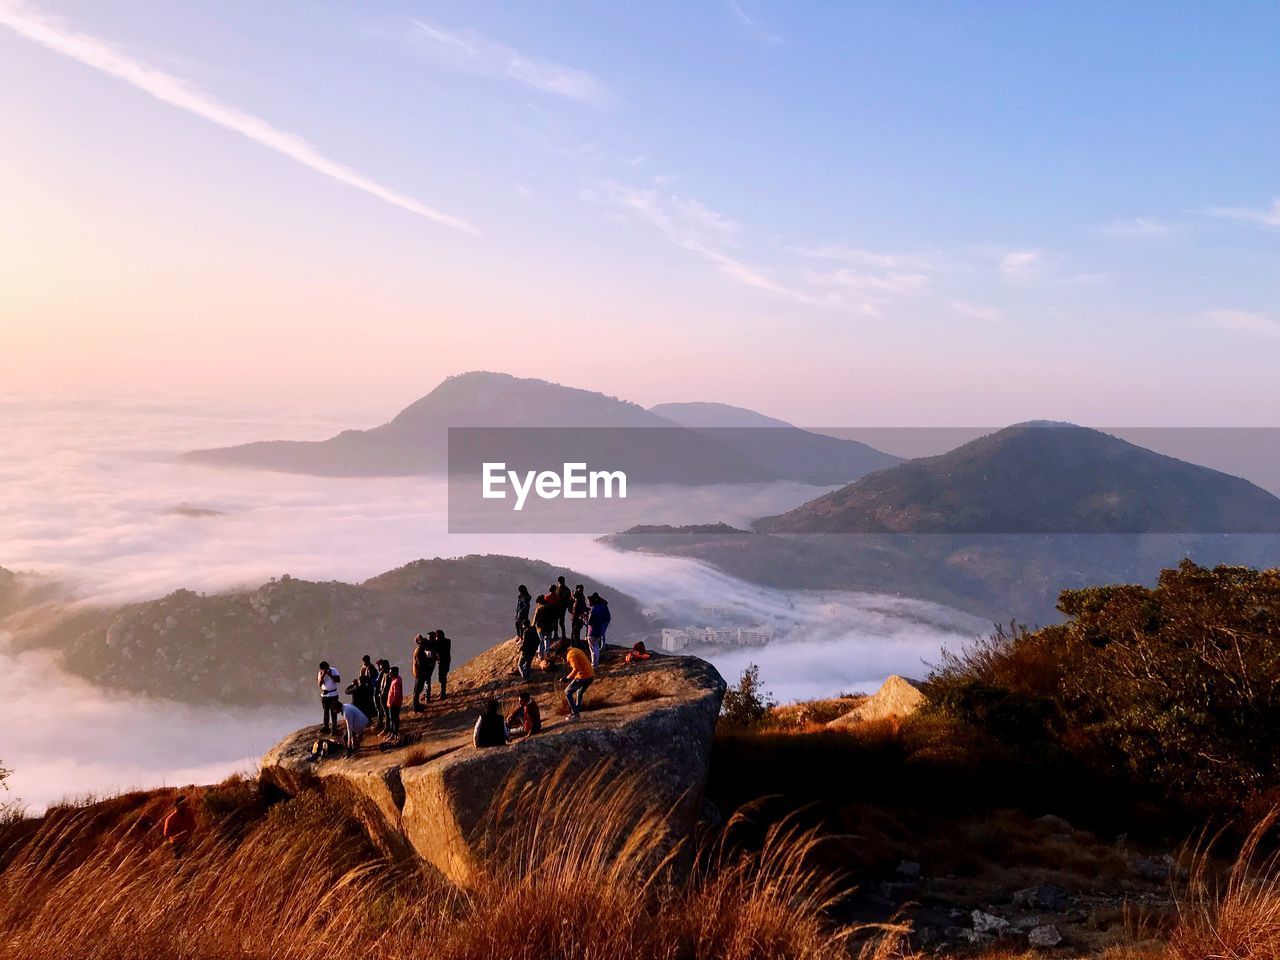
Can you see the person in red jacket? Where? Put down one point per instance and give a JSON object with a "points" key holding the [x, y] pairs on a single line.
{"points": [[178, 826], [395, 697]]}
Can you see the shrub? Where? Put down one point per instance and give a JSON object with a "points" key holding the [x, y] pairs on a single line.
{"points": [[747, 704]]}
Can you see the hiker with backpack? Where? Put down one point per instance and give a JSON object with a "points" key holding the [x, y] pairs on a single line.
{"points": [[327, 680], [597, 625], [489, 730], [424, 664]]}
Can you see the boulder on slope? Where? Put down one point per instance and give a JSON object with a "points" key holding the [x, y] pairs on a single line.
{"points": [[897, 697], [430, 798]]}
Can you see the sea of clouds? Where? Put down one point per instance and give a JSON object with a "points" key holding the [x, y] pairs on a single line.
{"points": [[91, 493]]}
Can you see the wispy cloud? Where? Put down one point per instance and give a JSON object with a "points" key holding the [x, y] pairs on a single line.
{"points": [[1042, 268], [978, 311], [753, 24], [1268, 217], [1137, 228], [691, 225], [1023, 265], [471, 53], [93, 52], [1242, 321]]}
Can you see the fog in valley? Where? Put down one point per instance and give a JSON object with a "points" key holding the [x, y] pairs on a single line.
{"points": [[91, 495]]}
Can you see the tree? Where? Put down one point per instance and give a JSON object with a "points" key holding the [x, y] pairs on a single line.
{"points": [[747, 704]]}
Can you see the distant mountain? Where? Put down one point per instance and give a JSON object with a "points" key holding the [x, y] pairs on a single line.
{"points": [[262, 645], [771, 444], [1040, 478], [999, 526], [416, 441]]}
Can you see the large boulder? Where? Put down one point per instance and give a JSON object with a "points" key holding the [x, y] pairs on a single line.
{"points": [[897, 697], [430, 798]]}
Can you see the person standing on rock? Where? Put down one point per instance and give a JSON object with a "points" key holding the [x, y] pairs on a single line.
{"points": [[327, 680], [564, 600], [489, 730], [578, 610], [523, 602], [527, 635], [395, 697], [380, 692], [443, 648], [544, 619], [424, 664], [598, 618], [581, 674]]}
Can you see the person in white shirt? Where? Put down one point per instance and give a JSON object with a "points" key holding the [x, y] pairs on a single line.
{"points": [[327, 680], [356, 723]]}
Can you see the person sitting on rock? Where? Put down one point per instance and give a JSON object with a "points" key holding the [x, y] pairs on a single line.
{"points": [[527, 636], [490, 731], [526, 719], [580, 677], [178, 826], [356, 720], [395, 697], [638, 653]]}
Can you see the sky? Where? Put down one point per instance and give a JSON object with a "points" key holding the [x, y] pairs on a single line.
{"points": [[841, 214]]}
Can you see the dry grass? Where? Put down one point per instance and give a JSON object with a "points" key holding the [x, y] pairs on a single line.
{"points": [[584, 868]]}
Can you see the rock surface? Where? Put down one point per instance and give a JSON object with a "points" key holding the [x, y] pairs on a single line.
{"points": [[429, 798], [897, 697]]}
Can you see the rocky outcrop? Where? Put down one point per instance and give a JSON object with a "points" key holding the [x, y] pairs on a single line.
{"points": [[430, 797], [897, 697]]}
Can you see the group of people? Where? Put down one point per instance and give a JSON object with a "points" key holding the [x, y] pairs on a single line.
{"points": [[547, 616], [377, 693], [550, 627]]}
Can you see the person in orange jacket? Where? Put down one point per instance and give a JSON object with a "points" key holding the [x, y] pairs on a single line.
{"points": [[179, 825], [580, 677], [395, 697]]}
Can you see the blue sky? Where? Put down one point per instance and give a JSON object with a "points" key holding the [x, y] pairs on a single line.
{"points": [[838, 213]]}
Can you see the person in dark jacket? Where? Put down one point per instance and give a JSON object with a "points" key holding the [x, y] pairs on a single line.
{"points": [[362, 696], [380, 689], [578, 609], [544, 619], [597, 624], [443, 648], [490, 731], [564, 598], [424, 664], [528, 637], [524, 601]]}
